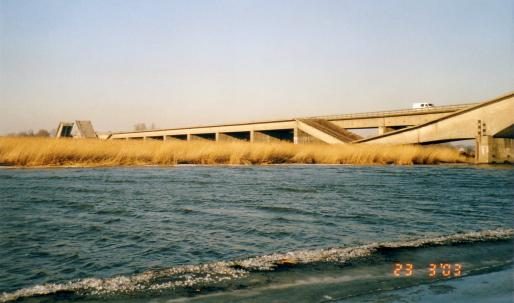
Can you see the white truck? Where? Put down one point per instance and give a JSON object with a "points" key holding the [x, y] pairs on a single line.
{"points": [[422, 105]]}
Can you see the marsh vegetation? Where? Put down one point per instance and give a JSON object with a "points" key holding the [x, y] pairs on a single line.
{"points": [[34, 151]]}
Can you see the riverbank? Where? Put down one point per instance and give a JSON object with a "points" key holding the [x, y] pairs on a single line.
{"points": [[50, 152], [494, 287]]}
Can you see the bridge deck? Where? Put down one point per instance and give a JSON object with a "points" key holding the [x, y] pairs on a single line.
{"points": [[396, 113], [497, 114], [358, 120]]}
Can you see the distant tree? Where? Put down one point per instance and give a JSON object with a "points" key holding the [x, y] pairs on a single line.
{"points": [[42, 133], [30, 133], [140, 127]]}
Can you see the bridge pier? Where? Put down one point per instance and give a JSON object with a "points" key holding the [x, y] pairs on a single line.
{"points": [[494, 150], [384, 129], [258, 136]]}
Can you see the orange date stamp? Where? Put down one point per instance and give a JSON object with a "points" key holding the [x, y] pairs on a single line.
{"points": [[434, 270]]}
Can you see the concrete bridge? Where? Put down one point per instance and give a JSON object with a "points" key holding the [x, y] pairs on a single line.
{"points": [[490, 123], [328, 129]]}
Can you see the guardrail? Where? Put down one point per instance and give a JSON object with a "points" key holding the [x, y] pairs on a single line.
{"points": [[390, 113], [378, 114]]}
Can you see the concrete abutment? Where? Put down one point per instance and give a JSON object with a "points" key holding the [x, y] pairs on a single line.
{"points": [[494, 150]]}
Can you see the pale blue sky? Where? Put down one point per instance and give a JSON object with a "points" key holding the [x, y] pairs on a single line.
{"points": [[179, 63]]}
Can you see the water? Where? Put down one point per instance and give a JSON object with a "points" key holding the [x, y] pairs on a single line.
{"points": [[220, 234]]}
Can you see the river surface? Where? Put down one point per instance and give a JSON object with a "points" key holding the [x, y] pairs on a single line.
{"points": [[256, 234]]}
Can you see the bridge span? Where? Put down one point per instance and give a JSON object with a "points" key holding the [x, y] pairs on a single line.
{"points": [[490, 123], [328, 129]]}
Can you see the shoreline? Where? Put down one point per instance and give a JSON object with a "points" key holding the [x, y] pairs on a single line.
{"points": [[507, 166], [471, 288]]}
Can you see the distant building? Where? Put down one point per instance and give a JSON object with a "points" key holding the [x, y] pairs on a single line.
{"points": [[64, 130], [85, 130]]}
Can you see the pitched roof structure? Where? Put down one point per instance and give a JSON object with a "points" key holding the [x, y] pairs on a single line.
{"points": [[85, 130], [64, 129]]}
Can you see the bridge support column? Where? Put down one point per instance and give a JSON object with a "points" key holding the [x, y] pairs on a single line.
{"points": [[494, 150], [384, 129]]}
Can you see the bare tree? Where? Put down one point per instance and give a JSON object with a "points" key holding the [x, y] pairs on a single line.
{"points": [[140, 127], [30, 133], [42, 133]]}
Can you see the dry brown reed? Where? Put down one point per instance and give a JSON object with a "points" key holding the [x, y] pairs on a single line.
{"points": [[34, 152]]}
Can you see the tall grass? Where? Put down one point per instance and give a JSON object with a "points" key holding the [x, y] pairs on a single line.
{"points": [[31, 152]]}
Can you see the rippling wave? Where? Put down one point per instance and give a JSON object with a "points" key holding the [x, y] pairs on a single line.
{"points": [[215, 272]]}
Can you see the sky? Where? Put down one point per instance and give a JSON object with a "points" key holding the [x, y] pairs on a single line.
{"points": [[185, 63]]}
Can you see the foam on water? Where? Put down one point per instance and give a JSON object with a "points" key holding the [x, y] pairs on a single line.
{"points": [[209, 273]]}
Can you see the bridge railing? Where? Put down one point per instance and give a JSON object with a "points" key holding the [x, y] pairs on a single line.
{"points": [[379, 114]]}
